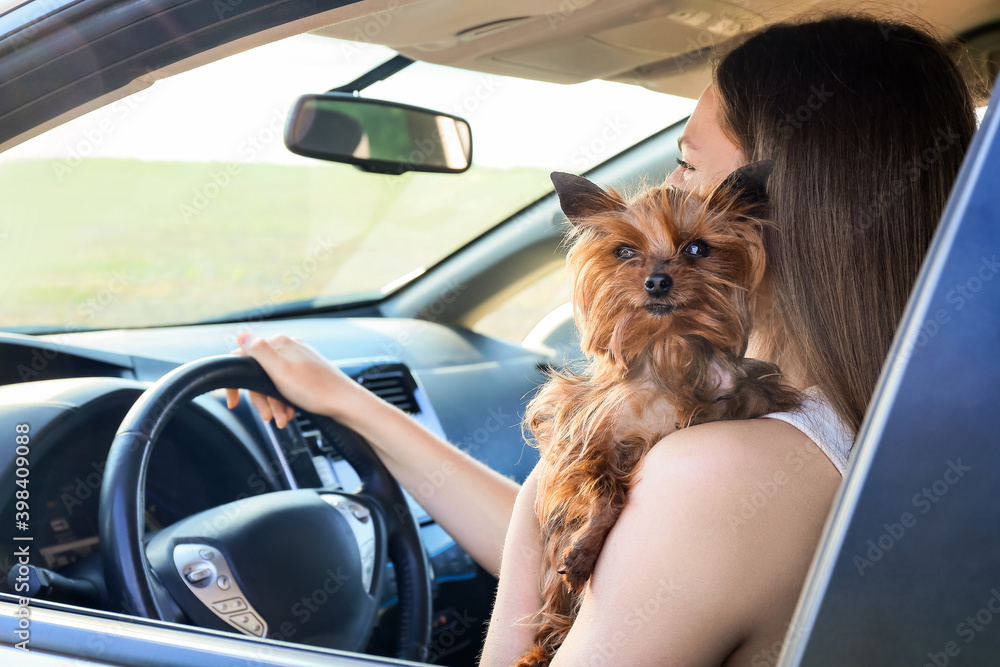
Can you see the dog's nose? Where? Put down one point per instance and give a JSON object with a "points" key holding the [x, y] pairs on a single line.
{"points": [[658, 284]]}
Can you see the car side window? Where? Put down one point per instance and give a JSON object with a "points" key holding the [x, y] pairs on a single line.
{"points": [[517, 316]]}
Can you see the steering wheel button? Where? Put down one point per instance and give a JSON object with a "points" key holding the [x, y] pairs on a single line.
{"points": [[207, 554], [249, 623], [198, 575], [230, 606], [224, 582]]}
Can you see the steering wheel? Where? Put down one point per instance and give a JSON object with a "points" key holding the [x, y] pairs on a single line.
{"points": [[304, 565]]}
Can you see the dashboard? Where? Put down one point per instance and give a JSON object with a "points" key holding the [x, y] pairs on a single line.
{"points": [[74, 390], [64, 528]]}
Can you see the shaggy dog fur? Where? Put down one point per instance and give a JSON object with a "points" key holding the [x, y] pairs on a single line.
{"points": [[663, 289]]}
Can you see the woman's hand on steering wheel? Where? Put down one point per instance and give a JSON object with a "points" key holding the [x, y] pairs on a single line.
{"points": [[302, 375], [298, 532]]}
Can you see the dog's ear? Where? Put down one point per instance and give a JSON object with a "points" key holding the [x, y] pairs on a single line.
{"points": [[580, 198], [749, 183]]}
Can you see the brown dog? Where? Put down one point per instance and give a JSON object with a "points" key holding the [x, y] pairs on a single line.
{"points": [[663, 291]]}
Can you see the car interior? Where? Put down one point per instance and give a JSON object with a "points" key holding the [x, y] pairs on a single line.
{"points": [[160, 198]]}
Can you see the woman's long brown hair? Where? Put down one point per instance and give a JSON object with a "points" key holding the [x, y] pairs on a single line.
{"points": [[867, 121]]}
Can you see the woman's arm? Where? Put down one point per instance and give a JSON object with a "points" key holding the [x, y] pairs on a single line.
{"points": [[518, 593], [472, 502]]}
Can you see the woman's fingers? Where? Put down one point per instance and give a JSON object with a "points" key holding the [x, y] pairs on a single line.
{"points": [[232, 398], [233, 395], [268, 407], [270, 353], [279, 410], [260, 402], [272, 408], [302, 375]]}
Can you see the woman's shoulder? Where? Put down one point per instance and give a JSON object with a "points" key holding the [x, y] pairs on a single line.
{"points": [[740, 449], [729, 515], [744, 470], [741, 470]]}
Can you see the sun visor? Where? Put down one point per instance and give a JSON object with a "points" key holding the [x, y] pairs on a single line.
{"points": [[663, 46]]}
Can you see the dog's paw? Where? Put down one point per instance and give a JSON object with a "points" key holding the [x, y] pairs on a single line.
{"points": [[535, 657], [577, 567]]}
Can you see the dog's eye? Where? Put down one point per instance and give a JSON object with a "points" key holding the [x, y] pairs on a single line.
{"points": [[625, 253], [696, 248]]}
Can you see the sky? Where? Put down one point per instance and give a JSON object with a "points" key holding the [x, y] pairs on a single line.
{"points": [[233, 110]]}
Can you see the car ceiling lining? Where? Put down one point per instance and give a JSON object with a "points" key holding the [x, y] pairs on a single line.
{"points": [[664, 46]]}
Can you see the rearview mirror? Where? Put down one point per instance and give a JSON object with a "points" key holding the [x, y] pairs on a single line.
{"points": [[377, 136]]}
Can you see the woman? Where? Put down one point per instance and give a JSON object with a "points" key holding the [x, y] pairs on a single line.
{"points": [[708, 558]]}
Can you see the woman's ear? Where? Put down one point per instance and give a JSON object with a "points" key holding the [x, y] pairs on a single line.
{"points": [[579, 198]]}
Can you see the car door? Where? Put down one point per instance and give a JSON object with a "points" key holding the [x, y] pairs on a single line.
{"points": [[53, 634]]}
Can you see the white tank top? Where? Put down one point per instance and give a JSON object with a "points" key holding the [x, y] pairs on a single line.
{"points": [[820, 422]]}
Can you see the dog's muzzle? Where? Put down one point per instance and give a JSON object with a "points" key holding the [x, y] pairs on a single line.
{"points": [[659, 309], [658, 285]]}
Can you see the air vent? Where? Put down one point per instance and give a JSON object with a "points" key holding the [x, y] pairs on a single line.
{"points": [[392, 384], [316, 442], [305, 424]]}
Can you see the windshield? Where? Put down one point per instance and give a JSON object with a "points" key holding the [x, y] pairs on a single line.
{"points": [[181, 204]]}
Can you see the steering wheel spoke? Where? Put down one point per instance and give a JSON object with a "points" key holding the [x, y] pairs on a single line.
{"points": [[286, 565], [304, 565]]}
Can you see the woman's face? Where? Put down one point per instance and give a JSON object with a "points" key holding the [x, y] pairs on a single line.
{"points": [[707, 154]]}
